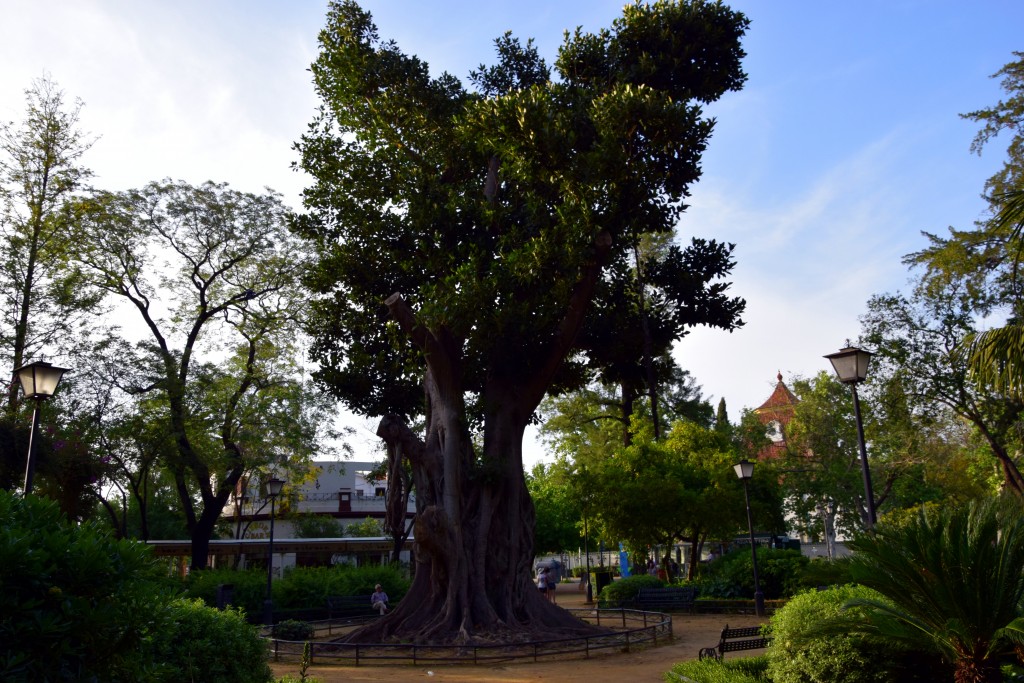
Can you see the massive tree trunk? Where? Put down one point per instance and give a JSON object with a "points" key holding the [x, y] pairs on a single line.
{"points": [[474, 540], [474, 517]]}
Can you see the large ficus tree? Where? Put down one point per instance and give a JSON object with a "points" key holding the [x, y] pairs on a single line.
{"points": [[462, 234]]}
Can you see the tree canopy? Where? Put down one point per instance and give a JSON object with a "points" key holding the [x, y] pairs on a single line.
{"points": [[211, 274]]}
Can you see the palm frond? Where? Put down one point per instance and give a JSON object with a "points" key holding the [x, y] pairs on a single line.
{"points": [[995, 359], [953, 579]]}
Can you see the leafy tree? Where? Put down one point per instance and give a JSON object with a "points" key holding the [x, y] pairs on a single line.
{"points": [[49, 307], [915, 337], [604, 407], [558, 512], [1007, 116], [212, 274], [822, 463], [462, 236], [985, 261], [653, 493], [952, 585], [640, 312], [366, 528], [316, 526]]}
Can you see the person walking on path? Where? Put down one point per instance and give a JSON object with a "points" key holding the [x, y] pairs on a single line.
{"points": [[379, 600], [542, 583]]}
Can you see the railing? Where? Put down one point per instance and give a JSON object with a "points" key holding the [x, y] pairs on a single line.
{"points": [[317, 502], [633, 628]]}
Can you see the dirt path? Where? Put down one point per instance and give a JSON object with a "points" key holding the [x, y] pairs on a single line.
{"points": [[691, 633]]}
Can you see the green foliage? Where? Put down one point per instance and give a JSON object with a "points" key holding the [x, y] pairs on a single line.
{"points": [[741, 670], [732, 575], [221, 305], [196, 643], [824, 572], [367, 528], [802, 651], [75, 604], [610, 144], [654, 492], [952, 583], [294, 630], [48, 305], [316, 526], [299, 588], [558, 512], [625, 589], [248, 593]]}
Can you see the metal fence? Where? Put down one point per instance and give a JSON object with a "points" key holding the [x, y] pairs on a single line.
{"points": [[631, 628]]}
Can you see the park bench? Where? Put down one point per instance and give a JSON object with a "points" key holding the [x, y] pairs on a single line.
{"points": [[735, 640], [348, 606], [669, 599]]}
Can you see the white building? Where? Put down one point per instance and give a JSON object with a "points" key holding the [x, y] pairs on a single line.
{"points": [[339, 495]]}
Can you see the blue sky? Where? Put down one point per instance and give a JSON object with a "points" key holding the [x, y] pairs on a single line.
{"points": [[844, 145]]}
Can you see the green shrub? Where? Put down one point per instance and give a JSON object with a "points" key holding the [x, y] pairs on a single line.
{"points": [[811, 644], [825, 572], [305, 587], [75, 604], [196, 643], [291, 629], [249, 587], [745, 670], [299, 588], [625, 589], [732, 575]]}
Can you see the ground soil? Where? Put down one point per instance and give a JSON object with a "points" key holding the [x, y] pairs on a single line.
{"points": [[690, 634]]}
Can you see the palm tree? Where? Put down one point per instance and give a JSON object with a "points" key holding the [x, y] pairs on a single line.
{"points": [[955, 584], [995, 358]]}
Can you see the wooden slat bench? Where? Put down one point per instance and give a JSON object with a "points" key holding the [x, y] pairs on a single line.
{"points": [[735, 640], [670, 599]]}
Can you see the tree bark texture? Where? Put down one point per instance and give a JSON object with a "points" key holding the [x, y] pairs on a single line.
{"points": [[473, 546]]}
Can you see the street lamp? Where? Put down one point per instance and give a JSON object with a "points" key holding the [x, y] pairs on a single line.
{"points": [[38, 380], [745, 470], [274, 486], [851, 365]]}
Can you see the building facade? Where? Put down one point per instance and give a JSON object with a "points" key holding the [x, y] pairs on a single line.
{"points": [[310, 517]]}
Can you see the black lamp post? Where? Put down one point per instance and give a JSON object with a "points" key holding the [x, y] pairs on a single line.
{"points": [[851, 365], [745, 470], [38, 380], [274, 486]]}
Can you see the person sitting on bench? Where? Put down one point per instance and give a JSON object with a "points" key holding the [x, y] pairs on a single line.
{"points": [[379, 600]]}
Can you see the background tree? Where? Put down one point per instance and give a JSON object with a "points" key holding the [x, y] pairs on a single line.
{"points": [[985, 261], [481, 223], [915, 338], [653, 493], [821, 467], [641, 309], [558, 512], [608, 408], [48, 307], [369, 527], [212, 274]]}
